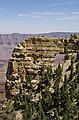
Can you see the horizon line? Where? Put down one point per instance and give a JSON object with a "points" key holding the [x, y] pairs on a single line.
{"points": [[43, 32]]}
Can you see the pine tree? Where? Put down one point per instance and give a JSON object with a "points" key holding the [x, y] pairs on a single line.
{"points": [[25, 113], [75, 82], [56, 116], [77, 56], [77, 68], [72, 91], [77, 72], [40, 115], [63, 94], [49, 71], [71, 70], [77, 100], [20, 89], [58, 71], [75, 36], [46, 100], [65, 84], [57, 91], [66, 54]]}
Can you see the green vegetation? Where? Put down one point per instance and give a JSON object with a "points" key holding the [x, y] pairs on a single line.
{"points": [[74, 36], [62, 104]]}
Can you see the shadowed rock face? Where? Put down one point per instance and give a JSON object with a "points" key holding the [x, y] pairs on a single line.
{"points": [[27, 58]]}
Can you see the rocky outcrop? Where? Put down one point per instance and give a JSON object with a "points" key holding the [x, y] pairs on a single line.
{"points": [[27, 58], [9, 41]]}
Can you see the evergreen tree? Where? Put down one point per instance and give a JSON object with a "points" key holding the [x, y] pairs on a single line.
{"points": [[20, 89], [72, 92], [71, 70], [56, 116], [49, 71], [25, 113], [77, 72], [57, 91], [66, 54], [71, 37], [75, 82], [40, 115], [78, 56], [77, 68], [65, 84], [77, 100], [58, 71], [46, 100], [75, 36]]}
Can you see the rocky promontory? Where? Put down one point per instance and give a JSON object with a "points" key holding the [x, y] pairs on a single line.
{"points": [[37, 89], [27, 58]]}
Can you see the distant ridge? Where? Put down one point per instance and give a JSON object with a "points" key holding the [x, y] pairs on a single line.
{"points": [[59, 34], [49, 34]]}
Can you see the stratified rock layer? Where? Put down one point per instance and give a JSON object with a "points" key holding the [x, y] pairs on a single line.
{"points": [[27, 58]]}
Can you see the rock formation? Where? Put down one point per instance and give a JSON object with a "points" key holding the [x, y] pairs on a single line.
{"points": [[27, 58], [35, 88]]}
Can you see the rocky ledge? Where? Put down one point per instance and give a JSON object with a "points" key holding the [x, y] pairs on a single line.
{"points": [[27, 58]]}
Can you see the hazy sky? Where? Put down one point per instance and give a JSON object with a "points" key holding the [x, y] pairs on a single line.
{"points": [[39, 16]]}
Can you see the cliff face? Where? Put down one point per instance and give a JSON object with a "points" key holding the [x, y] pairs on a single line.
{"points": [[27, 58]]}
